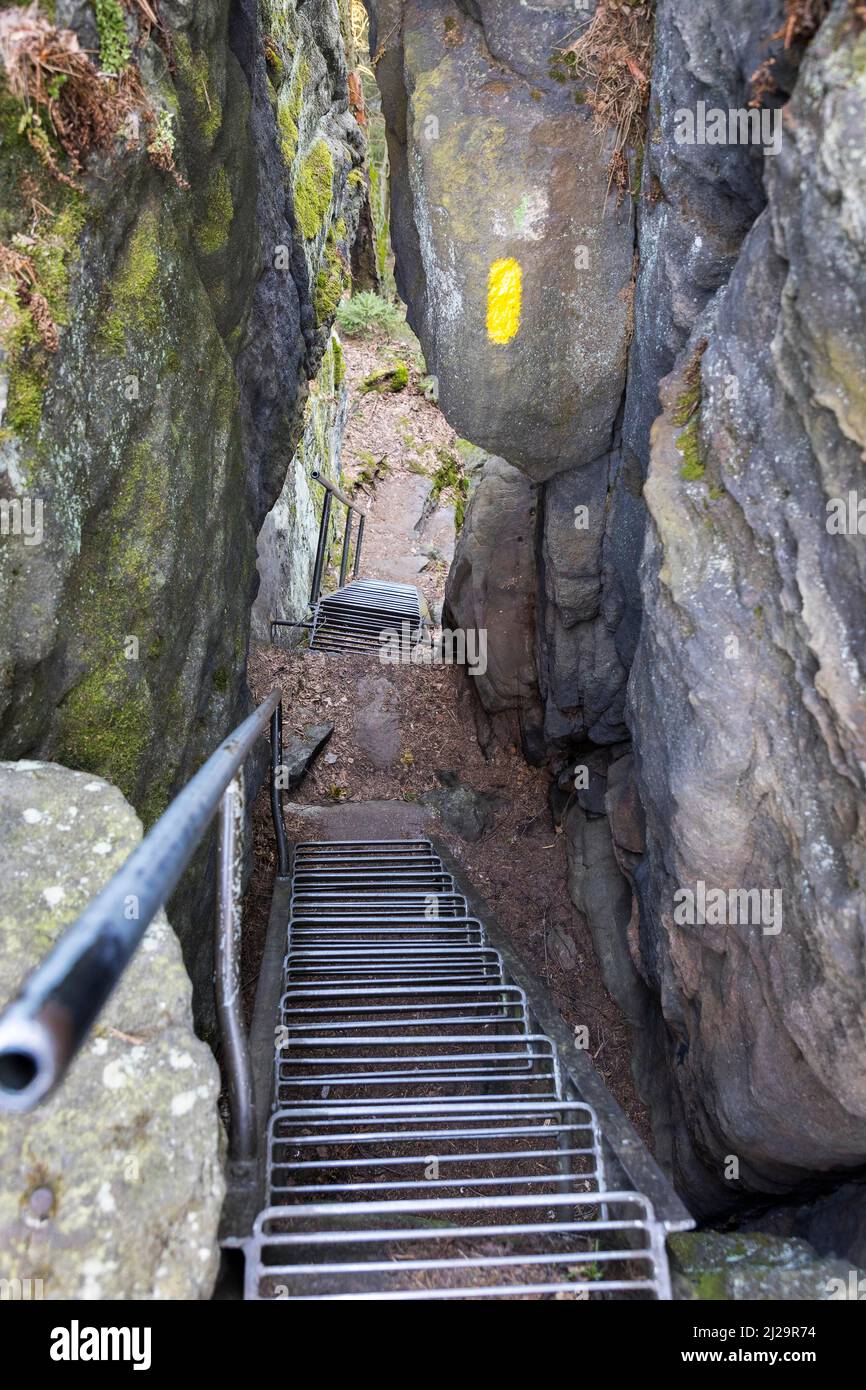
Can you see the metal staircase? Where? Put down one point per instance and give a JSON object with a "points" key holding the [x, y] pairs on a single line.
{"points": [[362, 614], [365, 614], [425, 1142]]}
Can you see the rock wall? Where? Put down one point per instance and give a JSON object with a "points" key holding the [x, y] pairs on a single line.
{"points": [[737, 764], [747, 695], [190, 309], [286, 546], [112, 1189]]}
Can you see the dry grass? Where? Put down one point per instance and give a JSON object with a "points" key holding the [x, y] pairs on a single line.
{"points": [[61, 90], [614, 53], [23, 273], [803, 19]]}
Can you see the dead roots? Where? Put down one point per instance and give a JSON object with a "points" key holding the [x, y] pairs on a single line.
{"points": [[614, 52], [63, 92]]}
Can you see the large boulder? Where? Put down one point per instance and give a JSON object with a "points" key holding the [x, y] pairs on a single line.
{"points": [[112, 1189], [748, 693], [492, 588], [514, 261]]}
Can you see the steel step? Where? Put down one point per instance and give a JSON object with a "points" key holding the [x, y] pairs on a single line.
{"points": [[357, 617], [422, 1144]]}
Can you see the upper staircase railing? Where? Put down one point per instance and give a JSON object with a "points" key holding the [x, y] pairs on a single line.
{"points": [[43, 1028], [352, 509]]}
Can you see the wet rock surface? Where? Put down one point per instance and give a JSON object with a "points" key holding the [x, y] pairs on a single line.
{"points": [[112, 1189]]}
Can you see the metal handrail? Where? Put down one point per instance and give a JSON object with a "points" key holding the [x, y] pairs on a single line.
{"points": [[322, 546], [322, 549], [43, 1028]]}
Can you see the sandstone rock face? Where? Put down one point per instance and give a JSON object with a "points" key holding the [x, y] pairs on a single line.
{"points": [[747, 696], [504, 235], [492, 588], [286, 546], [156, 438], [113, 1188], [697, 203], [762, 1268]]}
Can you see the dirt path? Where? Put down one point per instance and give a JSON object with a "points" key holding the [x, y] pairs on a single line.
{"points": [[396, 727], [397, 448]]}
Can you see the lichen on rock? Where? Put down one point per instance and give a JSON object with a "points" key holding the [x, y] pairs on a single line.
{"points": [[125, 1203]]}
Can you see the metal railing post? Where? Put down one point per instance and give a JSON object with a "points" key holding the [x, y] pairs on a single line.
{"points": [[347, 540], [320, 550], [43, 1027], [242, 1139], [358, 544], [276, 799]]}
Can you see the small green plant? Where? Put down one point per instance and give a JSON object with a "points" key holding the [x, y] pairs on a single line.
{"points": [[114, 50], [687, 414], [367, 314], [450, 481]]}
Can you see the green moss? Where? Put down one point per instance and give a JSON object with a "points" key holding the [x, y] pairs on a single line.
{"points": [[221, 680], [52, 252], [212, 233], [687, 413], [388, 379], [356, 179], [194, 70], [287, 120], [135, 302], [687, 403], [689, 445], [339, 363], [314, 190], [106, 722], [450, 481], [332, 279], [114, 50]]}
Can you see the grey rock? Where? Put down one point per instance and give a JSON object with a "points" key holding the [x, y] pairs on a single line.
{"points": [[750, 756], [492, 588], [153, 501], [581, 676], [469, 813], [377, 721], [709, 1266], [834, 1224], [460, 94], [602, 895], [112, 1189], [286, 545], [300, 751]]}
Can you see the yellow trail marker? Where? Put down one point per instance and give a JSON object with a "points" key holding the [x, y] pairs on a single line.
{"points": [[504, 300]]}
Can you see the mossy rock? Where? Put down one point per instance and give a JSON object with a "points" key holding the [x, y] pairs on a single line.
{"points": [[708, 1266], [386, 380]]}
